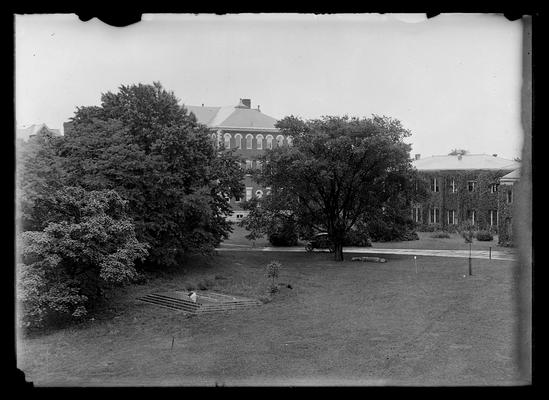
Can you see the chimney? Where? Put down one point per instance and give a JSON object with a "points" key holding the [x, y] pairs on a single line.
{"points": [[417, 156], [494, 155], [246, 102]]}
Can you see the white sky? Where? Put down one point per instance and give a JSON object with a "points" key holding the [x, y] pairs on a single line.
{"points": [[454, 80]]}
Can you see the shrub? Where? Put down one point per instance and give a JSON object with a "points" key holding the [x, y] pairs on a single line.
{"points": [[441, 235], [357, 238], [283, 235], [190, 286], [88, 245], [484, 236], [468, 232], [382, 231], [429, 227]]}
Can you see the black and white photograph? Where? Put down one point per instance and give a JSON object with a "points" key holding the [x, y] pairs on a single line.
{"points": [[273, 200]]}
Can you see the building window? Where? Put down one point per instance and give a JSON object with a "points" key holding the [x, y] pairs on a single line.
{"points": [[453, 186], [238, 141], [237, 199], [259, 193], [280, 140], [249, 164], [472, 216], [493, 217], [248, 193], [259, 141], [269, 141], [249, 139], [471, 185], [434, 185], [289, 140], [416, 214], [434, 214], [452, 220], [494, 188], [239, 216], [227, 142], [510, 196], [258, 164]]}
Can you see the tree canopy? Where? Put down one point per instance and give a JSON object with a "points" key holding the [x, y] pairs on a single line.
{"points": [[339, 173], [143, 144]]}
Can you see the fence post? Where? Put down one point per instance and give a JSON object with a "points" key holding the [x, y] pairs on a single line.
{"points": [[490, 252], [470, 261]]}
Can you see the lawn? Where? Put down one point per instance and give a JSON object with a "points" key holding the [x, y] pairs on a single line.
{"points": [[347, 323], [426, 241]]}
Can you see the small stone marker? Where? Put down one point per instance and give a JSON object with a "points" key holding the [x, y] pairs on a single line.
{"points": [[370, 259]]}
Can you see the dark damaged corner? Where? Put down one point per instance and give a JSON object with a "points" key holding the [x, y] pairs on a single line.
{"points": [[114, 19]]}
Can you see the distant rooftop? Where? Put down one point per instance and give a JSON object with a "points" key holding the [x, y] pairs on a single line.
{"points": [[237, 117], [26, 132], [465, 162]]}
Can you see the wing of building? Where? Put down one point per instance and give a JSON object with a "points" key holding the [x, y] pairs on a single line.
{"points": [[246, 129], [25, 133], [465, 188]]}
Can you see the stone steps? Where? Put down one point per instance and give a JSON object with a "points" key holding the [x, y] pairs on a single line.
{"points": [[221, 303]]}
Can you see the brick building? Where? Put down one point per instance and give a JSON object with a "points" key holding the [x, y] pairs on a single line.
{"points": [[461, 188], [247, 130]]}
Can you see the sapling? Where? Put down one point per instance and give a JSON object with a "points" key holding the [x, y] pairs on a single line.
{"points": [[273, 271]]}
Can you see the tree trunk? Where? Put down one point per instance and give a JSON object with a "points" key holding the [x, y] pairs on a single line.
{"points": [[338, 251]]}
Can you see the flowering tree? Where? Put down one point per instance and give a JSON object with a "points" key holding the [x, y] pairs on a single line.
{"points": [[88, 244]]}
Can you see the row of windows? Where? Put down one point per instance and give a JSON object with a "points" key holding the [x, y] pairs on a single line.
{"points": [[451, 216], [452, 186], [236, 142]]}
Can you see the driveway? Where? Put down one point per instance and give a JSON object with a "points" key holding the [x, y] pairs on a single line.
{"points": [[508, 255]]}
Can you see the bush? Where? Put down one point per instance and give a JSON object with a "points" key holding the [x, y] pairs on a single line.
{"points": [[429, 227], [484, 236], [382, 231], [441, 235], [88, 245], [357, 238], [285, 235]]}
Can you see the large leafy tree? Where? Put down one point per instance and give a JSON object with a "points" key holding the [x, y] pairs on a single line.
{"points": [[142, 143], [339, 173]]}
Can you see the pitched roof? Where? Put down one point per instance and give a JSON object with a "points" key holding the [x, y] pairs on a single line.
{"points": [[25, 133], [465, 162], [233, 117], [511, 177]]}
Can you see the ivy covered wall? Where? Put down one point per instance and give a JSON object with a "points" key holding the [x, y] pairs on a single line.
{"points": [[481, 199], [505, 227]]}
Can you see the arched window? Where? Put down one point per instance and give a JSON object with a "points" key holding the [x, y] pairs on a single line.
{"points": [[280, 140], [238, 141], [289, 140], [249, 139], [259, 194], [227, 142], [259, 141], [269, 142]]}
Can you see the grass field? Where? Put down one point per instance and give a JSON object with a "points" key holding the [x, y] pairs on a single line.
{"points": [[455, 242], [347, 323]]}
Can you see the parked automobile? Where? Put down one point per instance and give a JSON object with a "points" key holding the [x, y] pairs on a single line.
{"points": [[320, 241]]}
